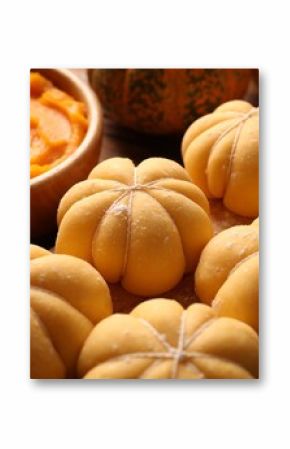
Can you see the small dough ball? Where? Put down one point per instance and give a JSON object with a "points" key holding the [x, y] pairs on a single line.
{"points": [[221, 154], [143, 226], [37, 251], [161, 340], [68, 297], [227, 275]]}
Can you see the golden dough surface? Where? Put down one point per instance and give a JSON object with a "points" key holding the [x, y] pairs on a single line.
{"points": [[221, 154], [183, 292], [161, 340], [68, 297], [142, 226], [227, 275], [37, 251]]}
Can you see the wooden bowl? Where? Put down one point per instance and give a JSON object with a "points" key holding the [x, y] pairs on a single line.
{"points": [[47, 189]]}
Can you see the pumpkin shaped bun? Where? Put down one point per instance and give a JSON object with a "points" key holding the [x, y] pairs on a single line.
{"points": [[37, 251], [221, 154], [68, 297], [144, 226], [227, 275], [161, 340]]}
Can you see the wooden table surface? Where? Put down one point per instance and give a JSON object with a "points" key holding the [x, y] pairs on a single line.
{"points": [[118, 141]]}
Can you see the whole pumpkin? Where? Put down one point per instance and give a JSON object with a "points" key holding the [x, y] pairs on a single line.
{"points": [[165, 101]]}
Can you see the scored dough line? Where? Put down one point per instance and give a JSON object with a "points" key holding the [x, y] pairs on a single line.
{"points": [[176, 354], [106, 212], [240, 262], [129, 223], [130, 190], [232, 155], [243, 119], [238, 124], [180, 347]]}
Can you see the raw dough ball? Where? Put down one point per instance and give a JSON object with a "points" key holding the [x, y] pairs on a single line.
{"points": [[68, 297], [37, 251], [161, 340], [144, 226], [227, 275], [221, 154]]}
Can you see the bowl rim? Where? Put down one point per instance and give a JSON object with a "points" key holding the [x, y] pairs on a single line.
{"points": [[94, 130]]}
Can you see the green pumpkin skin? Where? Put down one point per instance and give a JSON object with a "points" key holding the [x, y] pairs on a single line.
{"points": [[165, 101]]}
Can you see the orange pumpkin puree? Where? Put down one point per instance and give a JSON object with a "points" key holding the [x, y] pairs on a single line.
{"points": [[58, 124]]}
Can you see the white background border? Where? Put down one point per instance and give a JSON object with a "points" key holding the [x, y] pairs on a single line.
{"points": [[144, 414]]}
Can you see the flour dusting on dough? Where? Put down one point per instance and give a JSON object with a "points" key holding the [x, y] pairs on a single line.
{"points": [[119, 208]]}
